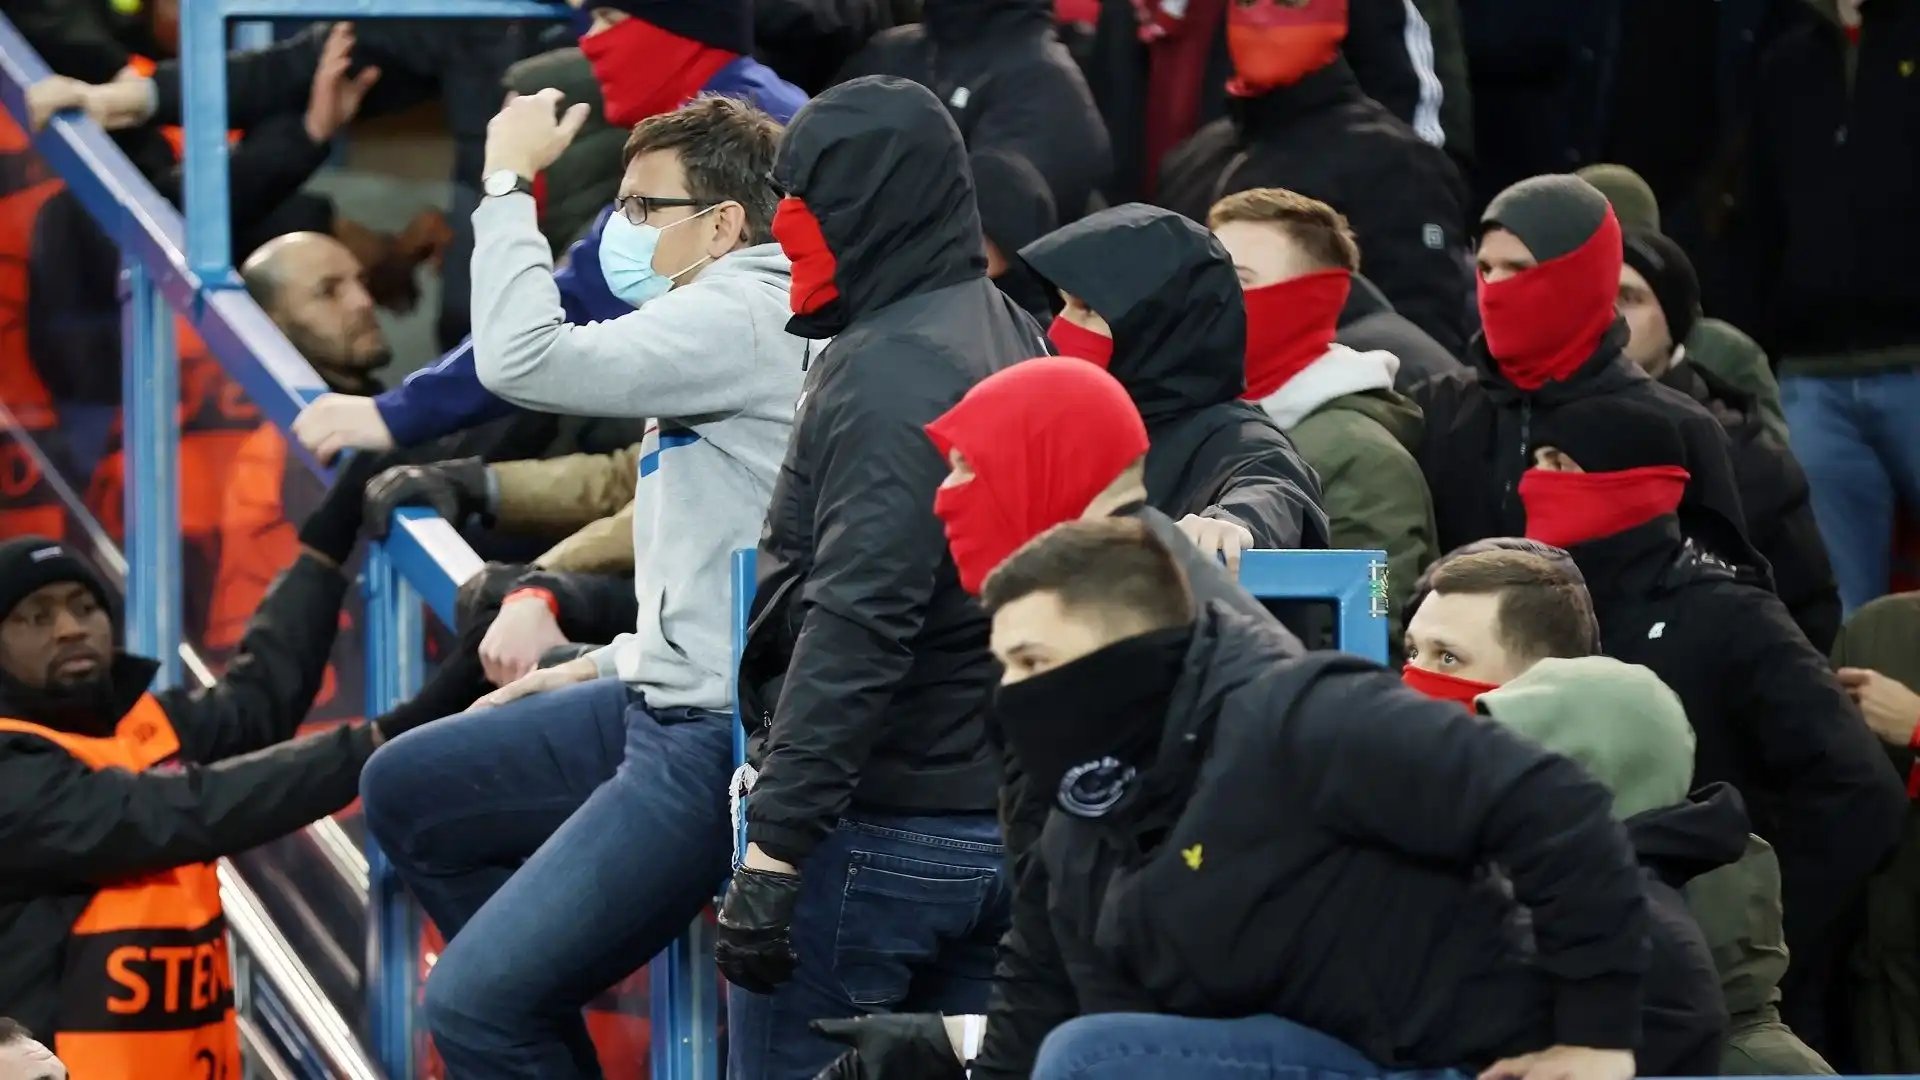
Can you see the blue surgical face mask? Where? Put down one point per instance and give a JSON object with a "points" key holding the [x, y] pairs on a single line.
{"points": [[626, 259]]}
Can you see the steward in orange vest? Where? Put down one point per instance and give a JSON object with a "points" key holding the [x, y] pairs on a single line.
{"points": [[116, 800]]}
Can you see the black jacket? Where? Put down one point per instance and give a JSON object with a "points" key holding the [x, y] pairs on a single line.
{"points": [[808, 41], [1481, 436], [1168, 291], [66, 829], [866, 668], [1326, 138], [1368, 322], [1009, 84], [1767, 713], [1310, 843], [1684, 1016], [1773, 492]]}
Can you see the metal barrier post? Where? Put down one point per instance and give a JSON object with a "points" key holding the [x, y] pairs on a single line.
{"points": [[150, 472], [1356, 581]]}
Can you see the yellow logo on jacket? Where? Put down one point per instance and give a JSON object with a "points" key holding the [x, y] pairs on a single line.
{"points": [[1906, 68], [1192, 855]]}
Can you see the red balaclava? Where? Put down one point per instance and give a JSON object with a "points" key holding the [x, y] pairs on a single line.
{"points": [[799, 236], [1443, 687], [1544, 323], [1274, 43], [1077, 341], [1043, 438], [1568, 508], [1290, 324], [645, 71]]}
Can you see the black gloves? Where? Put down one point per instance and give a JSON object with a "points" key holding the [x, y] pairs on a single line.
{"points": [[753, 948], [900, 1046], [456, 490], [334, 526]]}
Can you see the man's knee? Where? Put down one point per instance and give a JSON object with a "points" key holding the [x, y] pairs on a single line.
{"points": [[456, 1007], [1070, 1048], [390, 790]]}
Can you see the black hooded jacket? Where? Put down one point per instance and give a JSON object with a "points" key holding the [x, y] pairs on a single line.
{"points": [[1256, 868], [866, 669], [1325, 138], [1482, 431], [1369, 323], [1773, 492], [1167, 290], [1768, 715], [1008, 82]]}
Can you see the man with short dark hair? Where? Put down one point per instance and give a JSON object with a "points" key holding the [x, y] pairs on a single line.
{"points": [[1490, 616], [23, 1057]]}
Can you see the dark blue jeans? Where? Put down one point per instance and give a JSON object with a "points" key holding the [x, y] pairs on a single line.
{"points": [[896, 914], [1137, 1046], [559, 842]]}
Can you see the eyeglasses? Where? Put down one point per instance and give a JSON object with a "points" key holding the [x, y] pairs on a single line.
{"points": [[637, 208]]}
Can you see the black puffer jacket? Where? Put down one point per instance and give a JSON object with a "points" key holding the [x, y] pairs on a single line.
{"points": [[1009, 84], [1369, 322], [1309, 826], [1167, 290], [866, 667]]}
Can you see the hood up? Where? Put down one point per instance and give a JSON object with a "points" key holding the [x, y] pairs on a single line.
{"points": [[1703, 834], [1168, 292], [881, 166]]}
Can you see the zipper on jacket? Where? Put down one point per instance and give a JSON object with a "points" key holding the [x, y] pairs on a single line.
{"points": [[1526, 437]]}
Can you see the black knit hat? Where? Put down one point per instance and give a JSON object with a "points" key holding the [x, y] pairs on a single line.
{"points": [[1611, 433], [30, 563], [1015, 206], [719, 24], [1669, 274], [1551, 214]]}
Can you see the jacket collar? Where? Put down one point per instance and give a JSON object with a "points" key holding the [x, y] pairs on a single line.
{"points": [[1629, 564], [1330, 86], [1605, 371], [93, 713]]}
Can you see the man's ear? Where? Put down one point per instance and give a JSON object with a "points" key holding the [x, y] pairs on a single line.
{"points": [[729, 229]]}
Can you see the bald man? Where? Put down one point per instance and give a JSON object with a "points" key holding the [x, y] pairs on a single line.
{"points": [[22, 1057], [311, 286]]}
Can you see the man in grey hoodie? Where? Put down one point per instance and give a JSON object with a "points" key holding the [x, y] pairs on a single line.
{"points": [[566, 832]]}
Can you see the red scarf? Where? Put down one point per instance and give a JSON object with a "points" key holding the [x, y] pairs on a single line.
{"points": [[1567, 508], [1442, 687], [799, 235], [1275, 44], [645, 71], [1542, 324], [1042, 437], [1081, 343], [1290, 324]]}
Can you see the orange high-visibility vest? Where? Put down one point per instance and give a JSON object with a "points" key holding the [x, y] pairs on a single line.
{"points": [[146, 989]]}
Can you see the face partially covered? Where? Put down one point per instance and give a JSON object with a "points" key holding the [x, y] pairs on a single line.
{"points": [[57, 637], [1036, 634], [1458, 634]]}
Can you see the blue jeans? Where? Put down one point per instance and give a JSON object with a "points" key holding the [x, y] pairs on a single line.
{"points": [[896, 914], [559, 842], [1858, 438], [1138, 1046]]}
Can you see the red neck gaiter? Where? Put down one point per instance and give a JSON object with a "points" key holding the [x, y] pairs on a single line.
{"points": [[1443, 687], [1567, 508], [1542, 324], [1043, 438], [798, 233], [645, 71], [1290, 324], [1275, 43], [1081, 343]]}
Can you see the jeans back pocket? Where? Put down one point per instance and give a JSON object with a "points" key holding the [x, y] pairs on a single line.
{"points": [[900, 914]]}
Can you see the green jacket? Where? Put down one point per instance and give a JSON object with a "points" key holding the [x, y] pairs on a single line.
{"points": [[1721, 348], [1358, 434], [587, 175]]}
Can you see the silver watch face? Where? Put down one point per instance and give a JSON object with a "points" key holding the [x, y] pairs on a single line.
{"points": [[500, 183]]}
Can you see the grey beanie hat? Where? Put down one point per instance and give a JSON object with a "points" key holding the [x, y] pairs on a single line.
{"points": [[1551, 214]]}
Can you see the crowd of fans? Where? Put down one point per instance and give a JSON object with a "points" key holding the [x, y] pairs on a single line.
{"points": [[1003, 329]]}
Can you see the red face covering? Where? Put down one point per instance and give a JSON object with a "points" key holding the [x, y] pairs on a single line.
{"points": [[1043, 438], [1566, 508], [798, 232], [1277, 43], [1080, 343], [1442, 687], [1290, 324], [645, 71], [1542, 324]]}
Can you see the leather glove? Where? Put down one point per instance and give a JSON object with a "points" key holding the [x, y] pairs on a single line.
{"points": [[898, 1046], [334, 526], [753, 947], [456, 490]]}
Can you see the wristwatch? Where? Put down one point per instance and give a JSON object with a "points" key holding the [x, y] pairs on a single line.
{"points": [[504, 182]]}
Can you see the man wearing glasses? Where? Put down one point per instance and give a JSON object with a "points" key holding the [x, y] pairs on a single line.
{"points": [[575, 821]]}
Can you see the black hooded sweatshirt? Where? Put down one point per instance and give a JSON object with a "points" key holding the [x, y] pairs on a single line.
{"points": [[1168, 292], [866, 669], [1260, 866], [1009, 84]]}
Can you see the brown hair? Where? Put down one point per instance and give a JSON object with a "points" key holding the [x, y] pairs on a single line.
{"points": [[1112, 568], [1321, 231], [1543, 610], [726, 149]]}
